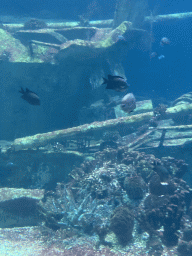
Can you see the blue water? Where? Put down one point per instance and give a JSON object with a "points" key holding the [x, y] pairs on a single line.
{"points": [[168, 77], [171, 76], [102, 177]]}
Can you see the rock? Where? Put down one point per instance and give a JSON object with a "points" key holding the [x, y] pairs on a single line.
{"points": [[31, 241], [15, 51], [38, 168], [19, 207], [141, 107]]}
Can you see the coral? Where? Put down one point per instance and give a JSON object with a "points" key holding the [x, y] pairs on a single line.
{"points": [[122, 223], [135, 187], [109, 140], [106, 155], [175, 167], [166, 210], [160, 111], [62, 204], [35, 24], [142, 162]]}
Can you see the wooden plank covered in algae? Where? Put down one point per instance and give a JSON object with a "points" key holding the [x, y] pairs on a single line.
{"points": [[94, 128]]}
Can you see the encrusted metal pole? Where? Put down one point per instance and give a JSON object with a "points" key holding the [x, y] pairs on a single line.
{"points": [[42, 139], [176, 127], [104, 23], [159, 18]]}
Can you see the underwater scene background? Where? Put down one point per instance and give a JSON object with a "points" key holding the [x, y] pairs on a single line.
{"points": [[95, 127]]}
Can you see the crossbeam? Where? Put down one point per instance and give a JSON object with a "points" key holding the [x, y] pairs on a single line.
{"points": [[106, 23]]}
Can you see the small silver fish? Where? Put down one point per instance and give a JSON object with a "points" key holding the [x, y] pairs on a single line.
{"points": [[128, 103]]}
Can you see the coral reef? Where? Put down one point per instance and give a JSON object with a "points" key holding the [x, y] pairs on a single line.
{"points": [[165, 207], [118, 196], [107, 193]]}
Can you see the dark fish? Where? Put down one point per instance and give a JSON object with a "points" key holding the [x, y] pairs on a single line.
{"points": [[116, 83], [128, 103], [31, 97], [161, 171], [164, 41]]}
